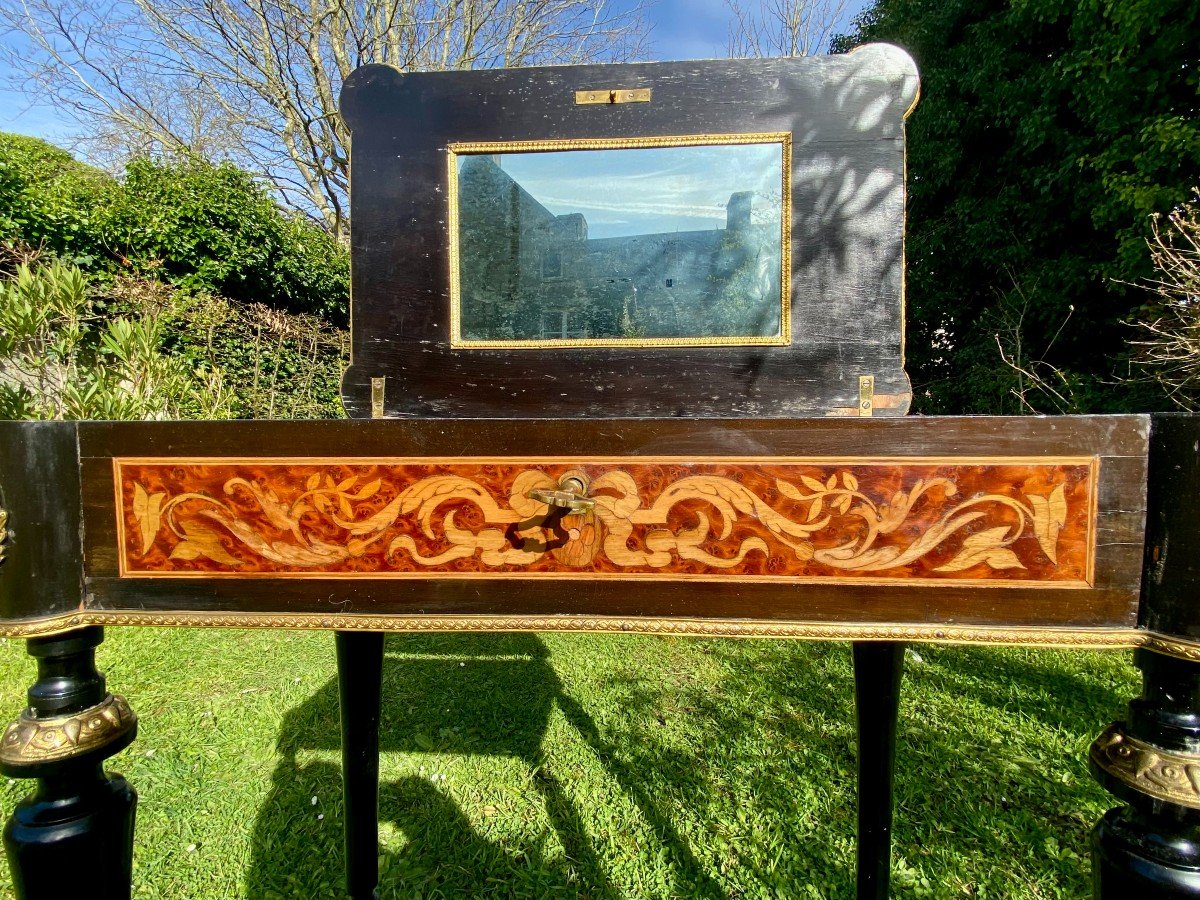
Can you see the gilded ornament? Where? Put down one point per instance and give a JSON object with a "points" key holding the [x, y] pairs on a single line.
{"points": [[1161, 774], [30, 740], [3, 532], [1170, 645], [1067, 638]]}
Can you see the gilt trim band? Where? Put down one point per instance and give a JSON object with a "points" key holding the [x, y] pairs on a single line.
{"points": [[1161, 774], [1078, 638], [30, 741]]}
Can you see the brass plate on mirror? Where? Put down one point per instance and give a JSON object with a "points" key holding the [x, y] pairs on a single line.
{"points": [[646, 242]]}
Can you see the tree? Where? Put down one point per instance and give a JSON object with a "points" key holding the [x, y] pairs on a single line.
{"points": [[783, 27], [1047, 135], [1167, 344], [257, 81], [201, 226]]}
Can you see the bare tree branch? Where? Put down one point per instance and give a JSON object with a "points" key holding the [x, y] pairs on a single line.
{"points": [[1167, 348], [783, 27], [257, 81]]}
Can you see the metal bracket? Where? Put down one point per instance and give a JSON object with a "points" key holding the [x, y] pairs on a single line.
{"points": [[33, 741], [377, 393], [609, 96], [866, 395], [1170, 776]]}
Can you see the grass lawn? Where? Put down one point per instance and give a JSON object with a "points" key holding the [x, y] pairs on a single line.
{"points": [[599, 766]]}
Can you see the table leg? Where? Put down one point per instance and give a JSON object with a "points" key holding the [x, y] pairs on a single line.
{"points": [[1151, 848], [878, 670], [77, 829], [360, 681]]}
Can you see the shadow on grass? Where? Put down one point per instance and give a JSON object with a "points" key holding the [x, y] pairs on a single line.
{"points": [[1050, 691], [760, 787], [995, 801], [486, 695]]}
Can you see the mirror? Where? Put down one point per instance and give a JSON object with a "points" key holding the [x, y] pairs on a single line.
{"points": [[657, 242]]}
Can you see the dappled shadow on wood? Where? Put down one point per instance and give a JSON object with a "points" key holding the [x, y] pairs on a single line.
{"points": [[844, 117]]}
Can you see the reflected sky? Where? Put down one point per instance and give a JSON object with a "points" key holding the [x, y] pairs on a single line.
{"points": [[653, 190]]}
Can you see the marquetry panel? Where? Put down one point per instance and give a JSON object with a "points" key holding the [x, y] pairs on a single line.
{"points": [[1001, 521]]}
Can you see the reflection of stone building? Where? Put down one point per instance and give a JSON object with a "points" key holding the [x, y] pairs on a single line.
{"points": [[528, 274]]}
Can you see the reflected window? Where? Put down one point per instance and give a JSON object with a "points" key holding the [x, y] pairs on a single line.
{"points": [[560, 324], [551, 263]]}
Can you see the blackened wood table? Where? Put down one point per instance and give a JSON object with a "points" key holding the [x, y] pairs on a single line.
{"points": [[964, 530], [630, 341]]}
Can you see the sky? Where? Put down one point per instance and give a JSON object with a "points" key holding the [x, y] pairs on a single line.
{"points": [[654, 190], [679, 29]]}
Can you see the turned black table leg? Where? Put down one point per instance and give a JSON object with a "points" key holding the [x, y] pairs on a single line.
{"points": [[1151, 848], [360, 680], [878, 669], [77, 829]]}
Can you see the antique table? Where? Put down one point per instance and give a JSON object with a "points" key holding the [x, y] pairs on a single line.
{"points": [[627, 357]]}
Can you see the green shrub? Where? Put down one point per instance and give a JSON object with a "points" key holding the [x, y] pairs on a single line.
{"points": [[133, 348], [278, 366], [211, 228], [1047, 134], [271, 364], [202, 226], [61, 359], [49, 199]]}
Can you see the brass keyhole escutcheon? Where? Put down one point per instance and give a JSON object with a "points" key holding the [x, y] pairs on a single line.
{"points": [[570, 495]]}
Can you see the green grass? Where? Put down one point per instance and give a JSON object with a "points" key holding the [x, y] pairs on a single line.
{"points": [[599, 766]]}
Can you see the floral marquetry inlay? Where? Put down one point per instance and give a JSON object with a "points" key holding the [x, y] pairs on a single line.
{"points": [[1005, 521]]}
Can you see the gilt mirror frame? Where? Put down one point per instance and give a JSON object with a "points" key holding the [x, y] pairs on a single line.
{"points": [[840, 347], [458, 152]]}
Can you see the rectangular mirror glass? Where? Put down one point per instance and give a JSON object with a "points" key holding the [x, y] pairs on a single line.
{"points": [[654, 242]]}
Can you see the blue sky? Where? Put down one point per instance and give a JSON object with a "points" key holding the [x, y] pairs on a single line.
{"points": [[680, 29], [651, 191]]}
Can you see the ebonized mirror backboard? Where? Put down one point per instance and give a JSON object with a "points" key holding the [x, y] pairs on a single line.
{"points": [[720, 238]]}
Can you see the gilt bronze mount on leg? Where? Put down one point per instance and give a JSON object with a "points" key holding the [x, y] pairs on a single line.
{"points": [[1151, 847], [79, 820]]}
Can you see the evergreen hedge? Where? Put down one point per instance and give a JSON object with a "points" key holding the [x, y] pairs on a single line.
{"points": [[199, 225]]}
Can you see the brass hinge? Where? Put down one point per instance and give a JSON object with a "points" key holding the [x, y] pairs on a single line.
{"points": [[377, 385], [866, 395], [613, 95]]}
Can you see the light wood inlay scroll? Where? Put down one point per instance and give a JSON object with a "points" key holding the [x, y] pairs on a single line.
{"points": [[1008, 521]]}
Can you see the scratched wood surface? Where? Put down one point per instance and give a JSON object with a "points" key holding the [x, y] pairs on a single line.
{"points": [[999, 521], [845, 114]]}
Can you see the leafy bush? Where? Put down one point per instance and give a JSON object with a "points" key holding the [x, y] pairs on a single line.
{"points": [[198, 225], [49, 199], [61, 359], [272, 365], [210, 227], [1047, 134], [137, 349], [278, 366]]}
